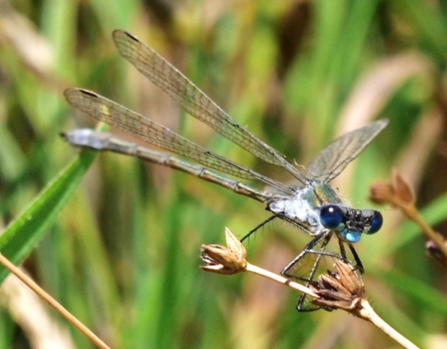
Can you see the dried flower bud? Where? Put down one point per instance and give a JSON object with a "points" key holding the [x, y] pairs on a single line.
{"points": [[225, 260], [343, 289], [381, 193], [402, 188], [399, 193]]}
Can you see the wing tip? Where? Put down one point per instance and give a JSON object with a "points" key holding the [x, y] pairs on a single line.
{"points": [[383, 123], [118, 34], [379, 125], [71, 92]]}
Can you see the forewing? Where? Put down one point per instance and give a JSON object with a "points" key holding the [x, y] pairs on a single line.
{"points": [[337, 155], [105, 110], [193, 100]]}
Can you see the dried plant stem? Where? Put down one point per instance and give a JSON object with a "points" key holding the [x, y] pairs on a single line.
{"points": [[51, 301], [400, 194], [412, 213], [343, 289], [280, 279], [366, 312], [362, 310]]}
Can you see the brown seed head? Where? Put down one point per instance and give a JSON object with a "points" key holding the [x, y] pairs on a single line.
{"points": [[225, 260], [342, 289], [402, 188], [399, 193], [381, 193]]}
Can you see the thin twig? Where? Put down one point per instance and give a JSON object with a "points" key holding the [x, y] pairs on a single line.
{"points": [[51, 301], [343, 289], [412, 213], [368, 313], [361, 307], [400, 194], [280, 279]]}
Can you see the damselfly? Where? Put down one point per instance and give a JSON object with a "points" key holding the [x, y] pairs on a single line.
{"points": [[312, 204]]}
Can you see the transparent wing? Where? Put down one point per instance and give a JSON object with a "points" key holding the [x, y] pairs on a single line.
{"points": [[337, 155], [103, 109], [194, 101]]}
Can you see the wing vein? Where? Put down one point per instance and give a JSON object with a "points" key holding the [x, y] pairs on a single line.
{"points": [[194, 101], [105, 110], [336, 156]]}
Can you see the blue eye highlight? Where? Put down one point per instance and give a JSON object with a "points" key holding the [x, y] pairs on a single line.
{"points": [[331, 216], [376, 223]]}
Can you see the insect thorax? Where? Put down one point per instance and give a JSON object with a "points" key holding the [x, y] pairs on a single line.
{"points": [[302, 208]]}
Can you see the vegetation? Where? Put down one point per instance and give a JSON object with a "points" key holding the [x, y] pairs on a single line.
{"points": [[117, 241]]}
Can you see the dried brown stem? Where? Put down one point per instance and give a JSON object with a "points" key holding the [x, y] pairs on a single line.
{"points": [[399, 194], [412, 213], [366, 312], [343, 289], [52, 302], [359, 307], [280, 279]]}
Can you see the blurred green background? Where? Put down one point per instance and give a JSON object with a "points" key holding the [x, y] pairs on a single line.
{"points": [[123, 252]]}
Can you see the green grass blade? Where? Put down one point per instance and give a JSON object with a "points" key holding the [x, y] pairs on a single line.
{"points": [[27, 230], [425, 296]]}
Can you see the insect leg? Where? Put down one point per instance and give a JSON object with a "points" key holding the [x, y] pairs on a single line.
{"points": [[255, 229], [358, 262], [305, 250], [302, 299]]}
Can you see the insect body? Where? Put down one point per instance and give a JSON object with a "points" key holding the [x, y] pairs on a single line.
{"points": [[312, 205], [318, 208]]}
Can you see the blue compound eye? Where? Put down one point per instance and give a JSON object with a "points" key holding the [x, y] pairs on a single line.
{"points": [[376, 223], [331, 216]]}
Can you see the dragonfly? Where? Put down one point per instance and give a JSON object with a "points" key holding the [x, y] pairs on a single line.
{"points": [[310, 203]]}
